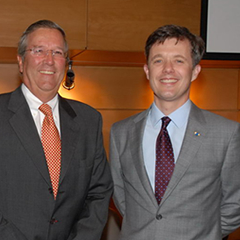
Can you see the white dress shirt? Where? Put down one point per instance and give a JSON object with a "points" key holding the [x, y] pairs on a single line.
{"points": [[34, 103], [176, 130]]}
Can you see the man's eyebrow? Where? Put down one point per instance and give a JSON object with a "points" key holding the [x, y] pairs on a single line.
{"points": [[160, 55], [156, 56], [41, 46], [179, 55]]}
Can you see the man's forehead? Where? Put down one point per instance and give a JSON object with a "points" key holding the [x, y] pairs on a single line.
{"points": [[42, 32], [45, 34], [174, 40]]}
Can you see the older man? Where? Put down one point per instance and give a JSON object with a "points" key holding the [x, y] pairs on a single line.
{"points": [[55, 182]]}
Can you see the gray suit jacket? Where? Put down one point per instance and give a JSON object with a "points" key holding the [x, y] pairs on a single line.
{"points": [[202, 201], [27, 208]]}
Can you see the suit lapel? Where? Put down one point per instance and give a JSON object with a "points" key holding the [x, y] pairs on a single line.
{"points": [[69, 134], [194, 137], [137, 132], [24, 126]]}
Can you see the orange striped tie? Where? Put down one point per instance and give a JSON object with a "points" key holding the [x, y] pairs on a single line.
{"points": [[51, 143]]}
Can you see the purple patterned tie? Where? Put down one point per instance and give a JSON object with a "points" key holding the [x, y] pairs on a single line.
{"points": [[164, 160]]}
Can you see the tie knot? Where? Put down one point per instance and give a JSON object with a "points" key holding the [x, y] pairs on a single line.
{"points": [[165, 122], [46, 109]]}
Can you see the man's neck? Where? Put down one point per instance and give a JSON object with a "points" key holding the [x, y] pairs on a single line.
{"points": [[167, 107]]}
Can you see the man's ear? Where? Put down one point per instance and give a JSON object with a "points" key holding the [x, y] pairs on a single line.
{"points": [[146, 70], [196, 71], [20, 63]]}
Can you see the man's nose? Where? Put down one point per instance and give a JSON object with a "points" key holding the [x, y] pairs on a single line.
{"points": [[168, 66], [49, 58]]}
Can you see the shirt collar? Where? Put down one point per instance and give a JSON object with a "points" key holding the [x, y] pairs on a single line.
{"points": [[179, 117], [34, 103]]}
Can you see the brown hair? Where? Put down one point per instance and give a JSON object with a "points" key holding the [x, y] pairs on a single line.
{"points": [[180, 33]]}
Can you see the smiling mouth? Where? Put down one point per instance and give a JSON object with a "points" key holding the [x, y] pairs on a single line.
{"points": [[168, 80], [47, 72]]}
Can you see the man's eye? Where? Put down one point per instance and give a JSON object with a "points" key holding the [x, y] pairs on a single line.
{"points": [[158, 61], [38, 50], [58, 53]]}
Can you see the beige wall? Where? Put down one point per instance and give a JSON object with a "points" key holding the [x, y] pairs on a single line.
{"points": [[121, 25]]}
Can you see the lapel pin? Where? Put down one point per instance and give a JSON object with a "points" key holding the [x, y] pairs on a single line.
{"points": [[197, 134]]}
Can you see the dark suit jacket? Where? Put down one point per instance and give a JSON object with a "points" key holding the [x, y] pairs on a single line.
{"points": [[202, 200], [27, 207]]}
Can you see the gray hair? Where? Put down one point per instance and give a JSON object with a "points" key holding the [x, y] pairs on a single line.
{"points": [[22, 44]]}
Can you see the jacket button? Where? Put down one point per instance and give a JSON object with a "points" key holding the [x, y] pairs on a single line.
{"points": [[53, 220], [159, 217]]}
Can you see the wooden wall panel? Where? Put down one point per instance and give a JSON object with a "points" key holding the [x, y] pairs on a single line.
{"points": [[111, 87], [216, 89], [120, 25], [16, 16], [110, 117], [232, 115], [125, 25], [9, 77], [127, 88]]}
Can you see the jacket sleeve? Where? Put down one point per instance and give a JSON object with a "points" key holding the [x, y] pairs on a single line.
{"points": [[230, 205], [119, 193]]}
